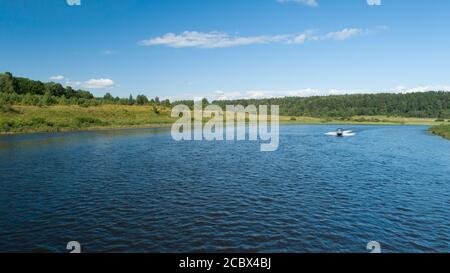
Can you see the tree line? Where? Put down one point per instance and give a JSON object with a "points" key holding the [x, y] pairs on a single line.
{"points": [[23, 91], [435, 104], [420, 105]]}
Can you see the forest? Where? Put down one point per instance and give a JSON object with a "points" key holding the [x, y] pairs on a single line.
{"points": [[420, 105], [24, 91], [436, 104]]}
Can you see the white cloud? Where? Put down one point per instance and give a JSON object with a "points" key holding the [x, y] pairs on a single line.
{"points": [[75, 84], [259, 94], [57, 78], [221, 40], [98, 83], [310, 3], [314, 3], [339, 35], [305, 92], [74, 2], [343, 34], [92, 83], [300, 39], [207, 40], [422, 88], [374, 2]]}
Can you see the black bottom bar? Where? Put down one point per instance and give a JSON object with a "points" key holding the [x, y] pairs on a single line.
{"points": [[225, 262]]}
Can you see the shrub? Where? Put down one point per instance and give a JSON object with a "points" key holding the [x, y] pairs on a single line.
{"points": [[87, 121], [47, 99], [155, 110], [37, 122], [6, 125]]}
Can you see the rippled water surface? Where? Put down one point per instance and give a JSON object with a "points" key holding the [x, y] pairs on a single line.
{"points": [[139, 191]]}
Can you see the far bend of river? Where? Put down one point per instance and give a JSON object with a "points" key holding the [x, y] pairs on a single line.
{"points": [[140, 191]]}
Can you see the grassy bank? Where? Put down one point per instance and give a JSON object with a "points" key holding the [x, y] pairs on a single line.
{"points": [[442, 130], [29, 119], [366, 120]]}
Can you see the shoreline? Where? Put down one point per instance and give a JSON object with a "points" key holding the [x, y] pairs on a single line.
{"points": [[63, 118], [442, 130], [166, 125], [89, 129]]}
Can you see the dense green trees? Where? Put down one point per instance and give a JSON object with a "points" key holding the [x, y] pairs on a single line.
{"points": [[21, 86], [6, 83], [16, 90], [141, 100], [422, 105]]}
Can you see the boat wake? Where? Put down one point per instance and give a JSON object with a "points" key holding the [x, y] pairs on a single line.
{"points": [[347, 133]]}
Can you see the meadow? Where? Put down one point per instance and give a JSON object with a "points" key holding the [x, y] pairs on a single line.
{"points": [[29, 119]]}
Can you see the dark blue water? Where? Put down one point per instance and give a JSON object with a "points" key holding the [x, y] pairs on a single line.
{"points": [[139, 191]]}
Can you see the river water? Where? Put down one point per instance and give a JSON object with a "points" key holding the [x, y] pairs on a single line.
{"points": [[140, 191]]}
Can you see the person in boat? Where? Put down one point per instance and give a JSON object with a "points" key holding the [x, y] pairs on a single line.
{"points": [[339, 132]]}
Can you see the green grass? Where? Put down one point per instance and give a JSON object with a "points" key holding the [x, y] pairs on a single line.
{"points": [[367, 120], [29, 119], [442, 130]]}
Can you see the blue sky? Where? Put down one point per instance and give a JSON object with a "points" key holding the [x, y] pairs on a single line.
{"points": [[229, 48]]}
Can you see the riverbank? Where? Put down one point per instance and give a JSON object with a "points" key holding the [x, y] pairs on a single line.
{"points": [[62, 118], [442, 130], [361, 120]]}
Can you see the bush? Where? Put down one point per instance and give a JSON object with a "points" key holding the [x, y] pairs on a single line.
{"points": [[6, 125], [88, 121], [29, 99], [293, 119], [38, 122], [21, 125], [47, 99]]}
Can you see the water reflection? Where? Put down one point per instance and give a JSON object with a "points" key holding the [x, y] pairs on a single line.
{"points": [[39, 139]]}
